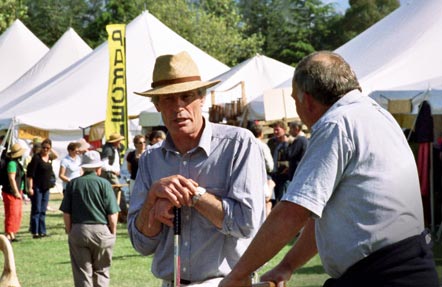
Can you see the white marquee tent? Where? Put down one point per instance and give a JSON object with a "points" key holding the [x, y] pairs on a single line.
{"points": [[259, 74], [403, 49], [399, 55], [77, 96], [66, 51], [20, 49]]}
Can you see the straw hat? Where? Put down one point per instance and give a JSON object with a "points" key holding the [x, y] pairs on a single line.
{"points": [[16, 151], [37, 140], [84, 145], [91, 159], [115, 137], [174, 74]]}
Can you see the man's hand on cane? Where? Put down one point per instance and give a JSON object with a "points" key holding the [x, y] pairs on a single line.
{"points": [[176, 188], [162, 211], [280, 273]]}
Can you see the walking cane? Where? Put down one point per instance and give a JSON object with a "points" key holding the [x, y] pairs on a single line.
{"points": [[176, 246], [268, 284]]}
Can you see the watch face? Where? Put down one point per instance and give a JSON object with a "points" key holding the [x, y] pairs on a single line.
{"points": [[199, 193]]}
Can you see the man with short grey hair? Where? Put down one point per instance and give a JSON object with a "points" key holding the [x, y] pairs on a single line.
{"points": [[355, 195]]}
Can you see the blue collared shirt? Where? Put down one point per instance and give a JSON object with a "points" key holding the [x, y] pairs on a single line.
{"points": [[359, 179], [228, 163]]}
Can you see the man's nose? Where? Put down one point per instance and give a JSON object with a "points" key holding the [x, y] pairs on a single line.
{"points": [[179, 102]]}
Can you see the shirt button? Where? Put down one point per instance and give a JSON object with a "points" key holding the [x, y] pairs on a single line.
{"points": [[184, 162], [186, 243], [184, 269], [187, 217]]}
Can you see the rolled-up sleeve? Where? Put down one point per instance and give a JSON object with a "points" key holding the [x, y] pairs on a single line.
{"points": [[244, 203], [141, 243]]}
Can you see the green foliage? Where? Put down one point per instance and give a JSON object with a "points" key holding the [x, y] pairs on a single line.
{"points": [[229, 30], [49, 19], [214, 26], [361, 15], [9, 11], [112, 12], [292, 28]]}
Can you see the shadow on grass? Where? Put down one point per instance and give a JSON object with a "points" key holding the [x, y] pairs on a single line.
{"points": [[317, 269], [437, 253], [124, 257]]}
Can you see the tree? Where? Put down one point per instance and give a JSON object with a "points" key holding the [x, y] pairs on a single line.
{"points": [[49, 19], [292, 28], [9, 11], [361, 15], [101, 14], [214, 26]]}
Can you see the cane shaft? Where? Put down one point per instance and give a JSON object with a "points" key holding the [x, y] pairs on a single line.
{"points": [[176, 247]]}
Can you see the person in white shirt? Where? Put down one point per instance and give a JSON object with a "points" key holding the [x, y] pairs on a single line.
{"points": [[70, 164]]}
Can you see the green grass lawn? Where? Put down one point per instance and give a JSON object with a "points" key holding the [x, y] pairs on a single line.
{"points": [[46, 262]]}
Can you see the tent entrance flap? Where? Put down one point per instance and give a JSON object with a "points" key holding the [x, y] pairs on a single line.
{"points": [[400, 106]]}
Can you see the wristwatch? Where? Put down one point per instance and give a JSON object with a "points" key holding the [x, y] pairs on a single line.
{"points": [[199, 192]]}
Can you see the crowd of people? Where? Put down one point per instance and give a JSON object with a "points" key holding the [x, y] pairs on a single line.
{"points": [[349, 190]]}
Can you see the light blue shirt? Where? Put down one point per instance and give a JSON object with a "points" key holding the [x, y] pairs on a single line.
{"points": [[72, 167], [359, 179], [227, 163]]}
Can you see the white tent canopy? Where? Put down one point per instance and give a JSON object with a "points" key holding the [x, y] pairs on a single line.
{"points": [[20, 49], [77, 96], [259, 75], [399, 57], [402, 49], [66, 51]]}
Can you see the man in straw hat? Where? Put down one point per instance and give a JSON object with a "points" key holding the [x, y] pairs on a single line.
{"points": [[355, 194], [214, 173], [13, 180], [90, 212]]}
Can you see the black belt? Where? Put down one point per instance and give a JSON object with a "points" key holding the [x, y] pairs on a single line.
{"points": [[184, 282]]}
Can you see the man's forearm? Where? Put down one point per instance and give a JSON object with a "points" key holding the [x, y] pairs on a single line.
{"points": [[144, 223], [112, 222], [283, 223], [304, 249], [67, 222], [211, 207]]}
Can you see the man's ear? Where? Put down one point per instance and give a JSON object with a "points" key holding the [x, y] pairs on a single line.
{"points": [[156, 107], [309, 102], [203, 100]]}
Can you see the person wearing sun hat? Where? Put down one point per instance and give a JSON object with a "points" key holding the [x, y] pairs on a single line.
{"points": [[215, 173], [12, 191], [90, 212], [110, 156]]}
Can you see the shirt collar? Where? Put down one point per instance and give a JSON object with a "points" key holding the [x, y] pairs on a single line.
{"points": [[348, 98], [204, 143]]}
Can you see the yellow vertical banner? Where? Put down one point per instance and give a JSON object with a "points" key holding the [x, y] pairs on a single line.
{"points": [[116, 112]]}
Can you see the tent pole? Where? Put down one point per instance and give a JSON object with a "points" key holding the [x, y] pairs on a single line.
{"points": [[432, 190]]}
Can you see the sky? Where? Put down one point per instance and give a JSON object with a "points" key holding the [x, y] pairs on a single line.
{"points": [[342, 5]]}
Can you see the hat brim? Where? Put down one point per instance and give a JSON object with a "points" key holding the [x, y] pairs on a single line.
{"points": [[177, 88], [17, 153], [92, 165], [116, 140]]}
